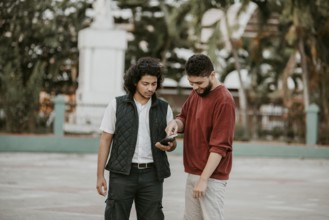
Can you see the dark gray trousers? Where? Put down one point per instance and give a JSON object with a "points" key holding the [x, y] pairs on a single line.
{"points": [[141, 187]]}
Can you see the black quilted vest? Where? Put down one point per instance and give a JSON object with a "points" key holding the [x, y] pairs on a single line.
{"points": [[125, 137]]}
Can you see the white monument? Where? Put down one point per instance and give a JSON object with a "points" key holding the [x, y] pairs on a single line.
{"points": [[101, 67]]}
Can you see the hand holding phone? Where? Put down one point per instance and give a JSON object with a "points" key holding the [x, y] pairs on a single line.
{"points": [[168, 139]]}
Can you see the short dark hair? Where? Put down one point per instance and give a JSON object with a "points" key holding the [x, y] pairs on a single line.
{"points": [[199, 65], [144, 66]]}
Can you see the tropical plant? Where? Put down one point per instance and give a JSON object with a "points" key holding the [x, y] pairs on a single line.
{"points": [[38, 39], [303, 44], [299, 43]]}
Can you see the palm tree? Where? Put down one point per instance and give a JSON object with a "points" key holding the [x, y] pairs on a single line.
{"points": [[303, 34]]}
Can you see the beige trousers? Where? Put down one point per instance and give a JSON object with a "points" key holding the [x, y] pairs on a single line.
{"points": [[210, 206]]}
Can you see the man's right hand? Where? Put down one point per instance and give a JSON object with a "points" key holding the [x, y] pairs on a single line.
{"points": [[172, 128], [101, 186]]}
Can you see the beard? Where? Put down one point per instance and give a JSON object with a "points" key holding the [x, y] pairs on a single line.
{"points": [[206, 90]]}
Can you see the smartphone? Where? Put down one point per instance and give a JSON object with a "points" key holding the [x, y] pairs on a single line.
{"points": [[167, 139]]}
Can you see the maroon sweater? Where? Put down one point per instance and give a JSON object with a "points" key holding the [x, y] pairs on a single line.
{"points": [[208, 127]]}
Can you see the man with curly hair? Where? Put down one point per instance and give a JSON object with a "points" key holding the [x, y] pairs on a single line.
{"points": [[207, 120], [131, 127]]}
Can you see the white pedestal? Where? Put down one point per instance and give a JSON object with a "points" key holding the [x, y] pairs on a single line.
{"points": [[101, 68]]}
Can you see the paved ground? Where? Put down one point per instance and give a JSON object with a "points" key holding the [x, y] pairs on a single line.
{"points": [[35, 186]]}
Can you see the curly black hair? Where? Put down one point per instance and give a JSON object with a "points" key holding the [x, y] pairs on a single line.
{"points": [[144, 66], [199, 65]]}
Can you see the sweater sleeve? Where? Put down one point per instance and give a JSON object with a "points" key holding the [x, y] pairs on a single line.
{"points": [[222, 135], [182, 115]]}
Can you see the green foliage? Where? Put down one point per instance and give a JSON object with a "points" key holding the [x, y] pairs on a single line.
{"points": [[299, 21], [163, 28], [38, 48], [37, 39]]}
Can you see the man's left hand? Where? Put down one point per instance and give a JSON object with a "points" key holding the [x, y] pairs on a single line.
{"points": [[170, 147]]}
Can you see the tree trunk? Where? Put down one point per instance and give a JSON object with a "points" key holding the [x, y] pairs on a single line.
{"points": [[242, 94], [289, 68], [286, 96], [305, 73]]}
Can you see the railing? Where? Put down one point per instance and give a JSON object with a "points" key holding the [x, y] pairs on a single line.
{"points": [[270, 123]]}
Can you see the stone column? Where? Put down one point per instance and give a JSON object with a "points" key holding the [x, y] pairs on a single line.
{"points": [[59, 102], [312, 123], [101, 67]]}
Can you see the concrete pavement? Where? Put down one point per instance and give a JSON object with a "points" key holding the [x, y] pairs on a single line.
{"points": [[48, 186]]}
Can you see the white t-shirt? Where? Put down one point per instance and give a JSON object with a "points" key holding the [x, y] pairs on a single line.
{"points": [[143, 152]]}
